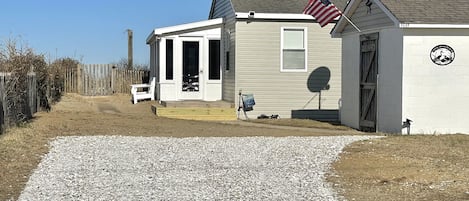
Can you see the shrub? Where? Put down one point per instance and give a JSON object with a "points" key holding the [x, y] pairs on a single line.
{"points": [[15, 64], [57, 76]]}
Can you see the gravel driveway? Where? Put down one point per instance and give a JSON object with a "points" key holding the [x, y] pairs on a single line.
{"points": [[153, 168]]}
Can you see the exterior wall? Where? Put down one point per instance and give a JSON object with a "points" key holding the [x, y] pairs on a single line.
{"points": [[350, 104], [154, 66], [389, 117], [212, 89], [367, 20], [436, 97], [224, 9], [389, 95], [167, 88], [258, 50], [229, 45]]}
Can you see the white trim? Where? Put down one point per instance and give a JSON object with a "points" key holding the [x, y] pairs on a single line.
{"points": [[197, 95], [276, 16], [337, 31], [242, 15], [164, 54], [339, 26], [207, 53], [193, 25], [305, 42], [168, 82], [350, 11], [434, 26], [165, 30]]}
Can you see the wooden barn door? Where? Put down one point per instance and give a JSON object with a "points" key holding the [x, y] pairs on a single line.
{"points": [[368, 81]]}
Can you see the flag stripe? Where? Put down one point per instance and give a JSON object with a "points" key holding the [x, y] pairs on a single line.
{"points": [[326, 13], [321, 12]]}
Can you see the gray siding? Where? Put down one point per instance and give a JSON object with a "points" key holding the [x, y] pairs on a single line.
{"points": [[366, 19], [221, 8], [224, 9], [258, 68], [229, 82]]}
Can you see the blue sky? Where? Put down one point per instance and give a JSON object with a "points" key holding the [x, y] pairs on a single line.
{"points": [[93, 31]]}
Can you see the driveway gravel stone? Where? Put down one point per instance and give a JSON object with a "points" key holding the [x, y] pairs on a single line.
{"points": [[156, 168]]}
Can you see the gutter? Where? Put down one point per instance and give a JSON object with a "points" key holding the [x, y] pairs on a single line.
{"points": [[433, 26], [183, 27], [276, 16]]}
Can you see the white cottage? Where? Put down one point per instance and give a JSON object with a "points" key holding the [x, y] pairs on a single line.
{"points": [[185, 59], [408, 61], [266, 48]]}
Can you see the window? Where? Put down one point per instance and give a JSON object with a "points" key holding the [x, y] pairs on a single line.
{"points": [[227, 61], [214, 60], [169, 59], [293, 56]]}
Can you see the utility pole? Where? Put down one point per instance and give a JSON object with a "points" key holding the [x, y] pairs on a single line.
{"points": [[130, 49]]}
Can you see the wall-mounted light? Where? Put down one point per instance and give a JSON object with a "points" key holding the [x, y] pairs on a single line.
{"points": [[406, 124], [369, 3], [251, 14]]}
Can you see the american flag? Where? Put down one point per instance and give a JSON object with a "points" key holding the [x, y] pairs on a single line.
{"points": [[323, 10]]}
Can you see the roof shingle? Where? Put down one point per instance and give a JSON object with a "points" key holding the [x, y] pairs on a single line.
{"points": [[429, 11], [277, 6]]}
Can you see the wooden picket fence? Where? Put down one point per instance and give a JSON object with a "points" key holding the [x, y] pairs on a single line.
{"points": [[102, 79], [17, 106]]}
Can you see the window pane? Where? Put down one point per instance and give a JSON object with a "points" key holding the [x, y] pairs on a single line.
{"points": [[190, 66], [169, 59], [227, 60], [214, 60], [294, 59], [293, 39]]}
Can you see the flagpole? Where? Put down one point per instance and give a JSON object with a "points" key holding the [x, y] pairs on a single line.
{"points": [[325, 11], [350, 21]]}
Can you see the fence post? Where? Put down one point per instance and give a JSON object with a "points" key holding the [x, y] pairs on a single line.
{"points": [[2, 101], [79, 80], [32, 93], [112, 79]]}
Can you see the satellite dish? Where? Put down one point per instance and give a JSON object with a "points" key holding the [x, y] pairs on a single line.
{"points": [[319, 79]]}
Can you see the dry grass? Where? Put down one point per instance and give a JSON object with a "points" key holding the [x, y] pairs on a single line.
{"points": [[406, 168], [392, 168], [304, 123], [21, 148], [20, 151]]}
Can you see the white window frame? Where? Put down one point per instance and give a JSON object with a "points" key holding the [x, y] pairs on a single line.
{"points": [[305, 48]]}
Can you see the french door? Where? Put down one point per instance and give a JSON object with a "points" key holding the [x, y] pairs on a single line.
{"points": [[192, 78]]}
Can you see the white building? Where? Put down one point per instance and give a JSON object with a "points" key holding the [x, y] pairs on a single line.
{"points": [[185, 59], [410, 61]]}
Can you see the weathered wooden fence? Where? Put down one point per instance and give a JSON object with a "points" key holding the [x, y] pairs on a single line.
{"points": [[17, 103], [122, 79], [96, 80], [71, 79], [102, 79]]}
